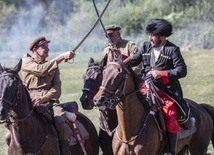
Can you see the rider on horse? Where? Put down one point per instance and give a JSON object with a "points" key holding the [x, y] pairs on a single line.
{"points": [[163, 65], [42, 79]]}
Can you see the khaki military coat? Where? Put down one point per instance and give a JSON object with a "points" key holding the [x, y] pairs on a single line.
{"points": [[41, 78], [127, 48]]}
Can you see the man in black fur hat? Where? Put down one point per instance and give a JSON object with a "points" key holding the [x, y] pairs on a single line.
{"points": [[163, 65]]}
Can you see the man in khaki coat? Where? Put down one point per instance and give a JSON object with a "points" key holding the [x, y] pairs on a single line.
{"points": [[42, 79], [120, 46], [117, 49]]}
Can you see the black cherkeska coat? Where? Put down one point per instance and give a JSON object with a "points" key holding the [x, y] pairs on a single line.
{"points": [[171, 60]]}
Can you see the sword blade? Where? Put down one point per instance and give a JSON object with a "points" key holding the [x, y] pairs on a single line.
{"points": [[95, 7], [93, 26]]}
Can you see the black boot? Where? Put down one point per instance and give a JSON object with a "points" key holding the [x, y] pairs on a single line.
{"points": [[64, 147], [172, 143]]}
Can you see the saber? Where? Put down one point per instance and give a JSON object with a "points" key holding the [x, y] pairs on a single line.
{"points": [[118, 53], [92, 28], [95, 7]]}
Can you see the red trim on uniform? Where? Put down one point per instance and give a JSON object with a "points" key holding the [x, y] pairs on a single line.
{"points": [[124, 57], [143, 88], [164, 76]]}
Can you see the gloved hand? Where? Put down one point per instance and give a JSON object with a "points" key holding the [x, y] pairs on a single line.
{"points": [[115, 52], [68, 55], [156, 74], [148, 79]]}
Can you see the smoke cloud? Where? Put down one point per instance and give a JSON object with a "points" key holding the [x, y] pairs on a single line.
{"points": [[54, 19]]}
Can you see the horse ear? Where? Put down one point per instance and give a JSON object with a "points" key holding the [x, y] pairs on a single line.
{"points": [[18, 66], [104, 60], [91, 60]]}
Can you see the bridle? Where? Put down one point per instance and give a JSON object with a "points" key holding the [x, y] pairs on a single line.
{"points": [[103, 115], [119, 93], [16, 100], [14, 103], [117, 97], [19, 92], [96, 69]]}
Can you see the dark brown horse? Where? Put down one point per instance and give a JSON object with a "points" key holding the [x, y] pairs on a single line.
{"points": [[108, 119], [137, 132], [29, 133]]}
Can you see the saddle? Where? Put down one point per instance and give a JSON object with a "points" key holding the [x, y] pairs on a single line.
{"points": [[76, 130], [187, 128]]}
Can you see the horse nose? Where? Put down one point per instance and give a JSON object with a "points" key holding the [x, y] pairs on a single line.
{"points": [[84, 101], [83, 98], [98, 100]]}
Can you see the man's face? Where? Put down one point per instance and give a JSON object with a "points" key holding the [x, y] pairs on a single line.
{"points": [[156, 40], [114, 36], [42, 51]]}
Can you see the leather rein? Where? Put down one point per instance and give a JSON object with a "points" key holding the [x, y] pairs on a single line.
{"points": [[117, 98], [16, 100], [102, 112], [14, 104], [119, 93]]}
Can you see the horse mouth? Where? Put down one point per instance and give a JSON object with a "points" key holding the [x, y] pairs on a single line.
{"points": [[86, 105], [2, 118], [2, 115], [103, 108]]}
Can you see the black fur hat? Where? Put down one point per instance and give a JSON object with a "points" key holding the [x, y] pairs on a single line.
{"points": [[159, 27]]}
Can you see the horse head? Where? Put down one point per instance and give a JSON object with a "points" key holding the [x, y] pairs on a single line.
{"points": [[113, 87], [10, 85], [92, 81]]}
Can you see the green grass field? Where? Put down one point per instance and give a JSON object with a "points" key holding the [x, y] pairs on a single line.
{"points": [[198, 85]]}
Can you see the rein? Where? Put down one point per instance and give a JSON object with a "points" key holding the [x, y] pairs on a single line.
{"points": [[97, 69], [19, 94], [15, 101], [114, 97], [118, 98], [14, 104], [102, 113], [140, 131]]}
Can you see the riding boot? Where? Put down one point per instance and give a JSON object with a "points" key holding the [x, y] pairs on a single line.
{"points": [[64, 147], [172, 142]]}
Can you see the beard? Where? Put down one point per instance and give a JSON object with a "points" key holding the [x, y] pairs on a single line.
{"points": [[157, 42]]}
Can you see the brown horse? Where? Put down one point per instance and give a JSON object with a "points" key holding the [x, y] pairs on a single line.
{"points": [[137, 132], [29, 133], [108, 118]]}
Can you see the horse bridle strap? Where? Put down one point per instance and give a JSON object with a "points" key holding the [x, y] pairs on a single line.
{"points": [[15, 101], [22, 119], [19, 94], [140, 131], [115, 98], [92, 67]]}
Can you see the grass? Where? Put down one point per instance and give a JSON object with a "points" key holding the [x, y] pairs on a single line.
{"points": [[198, 85]]}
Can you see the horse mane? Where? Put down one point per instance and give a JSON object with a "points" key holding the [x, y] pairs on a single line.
{"points": [[95, 63], [138, 81], [10, 70]]}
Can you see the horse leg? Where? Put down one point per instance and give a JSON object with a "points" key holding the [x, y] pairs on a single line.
{"points": [[204, 123], [105, 142], [184, 151], [8, 137]]}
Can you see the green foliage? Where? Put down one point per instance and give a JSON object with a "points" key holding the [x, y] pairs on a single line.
{"points": [[71, 19]]}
